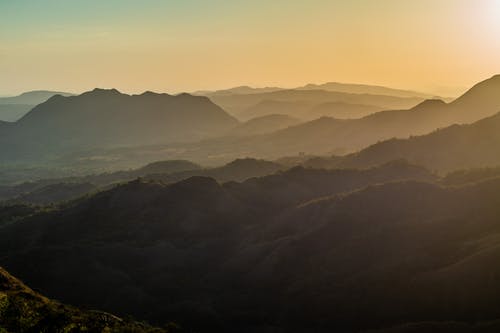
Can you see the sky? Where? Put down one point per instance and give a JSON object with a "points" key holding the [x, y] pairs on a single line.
{"points": [[437, 46]]}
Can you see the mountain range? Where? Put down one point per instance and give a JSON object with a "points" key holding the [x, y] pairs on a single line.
{"points": [[322, 250], [13, 108], [108, 118]]}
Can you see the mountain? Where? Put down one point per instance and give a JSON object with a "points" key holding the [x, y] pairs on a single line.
{"points": [[236, 91], [297, 109], [480, 101], [238, 170], [58, 190], [365, 89], [13, 108], [217, 258], [264, 124], [341, 110], [32, 97], [55, 190], [13, 112], [24, 310], [108, 118], [237, 104], [456, 147], [308, 110], [329, 136]]}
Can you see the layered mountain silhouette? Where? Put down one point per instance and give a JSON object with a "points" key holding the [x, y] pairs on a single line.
{"points": [[328, 135], [456, 147], [13, 108], [365, 89], [108, 118], [57, 190], [213, 257], [296, 251], [264, 124], [239, 104], [309, 110]]}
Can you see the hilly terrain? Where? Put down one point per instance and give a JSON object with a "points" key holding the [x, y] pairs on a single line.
{"points": [[108, 118], [330, 136], [456, 147], [240, 104], [365, 89], [211, 257], [23, 310], [13, 108], [58, 190]]}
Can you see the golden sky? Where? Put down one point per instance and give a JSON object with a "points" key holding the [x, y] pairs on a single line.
{"points": [[439, 46]]}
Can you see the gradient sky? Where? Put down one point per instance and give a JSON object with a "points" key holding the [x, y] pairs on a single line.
{"points": [[438, 46]]}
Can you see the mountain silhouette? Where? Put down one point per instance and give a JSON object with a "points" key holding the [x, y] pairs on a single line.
{"points": [[237, 104], [365, 89], [264, 124], [455, 147], [13, 108], [296, 251], [327, 136], [108, 118]]}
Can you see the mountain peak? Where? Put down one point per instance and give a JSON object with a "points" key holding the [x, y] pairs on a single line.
{"points": [[429, 103], [103, 92]]}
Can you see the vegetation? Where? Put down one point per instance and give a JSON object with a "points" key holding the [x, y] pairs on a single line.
{"points": [[23, 310]]}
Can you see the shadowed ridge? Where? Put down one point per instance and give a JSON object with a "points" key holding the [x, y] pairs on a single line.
{"points": [[429, 103], [24, 310], [485, 93]]}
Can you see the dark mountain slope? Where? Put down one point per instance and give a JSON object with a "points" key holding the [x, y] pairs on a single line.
{"points": [[194, 251], [23, 310]]}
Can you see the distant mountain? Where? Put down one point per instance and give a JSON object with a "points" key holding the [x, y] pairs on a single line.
{"points": [[32, 97], [24, 310], [236, 90], [456, 147], [13, 108], [341, 136], [13, 112], [308, 110], [108, 118], [341, 110], [264, 124], [296, 109], [365, 89], [237, 104]]}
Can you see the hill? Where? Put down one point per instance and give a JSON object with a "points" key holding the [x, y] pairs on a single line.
{"points": [[237, 104], [13, 108], [365, 89], [330, 136], [24, 310], [108, 118], [32, 97], [456, 147], [215, 258], [58, 190], [263, 125]]}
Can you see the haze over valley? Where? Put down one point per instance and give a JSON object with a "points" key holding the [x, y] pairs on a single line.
{"points": [[285, 167]]}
